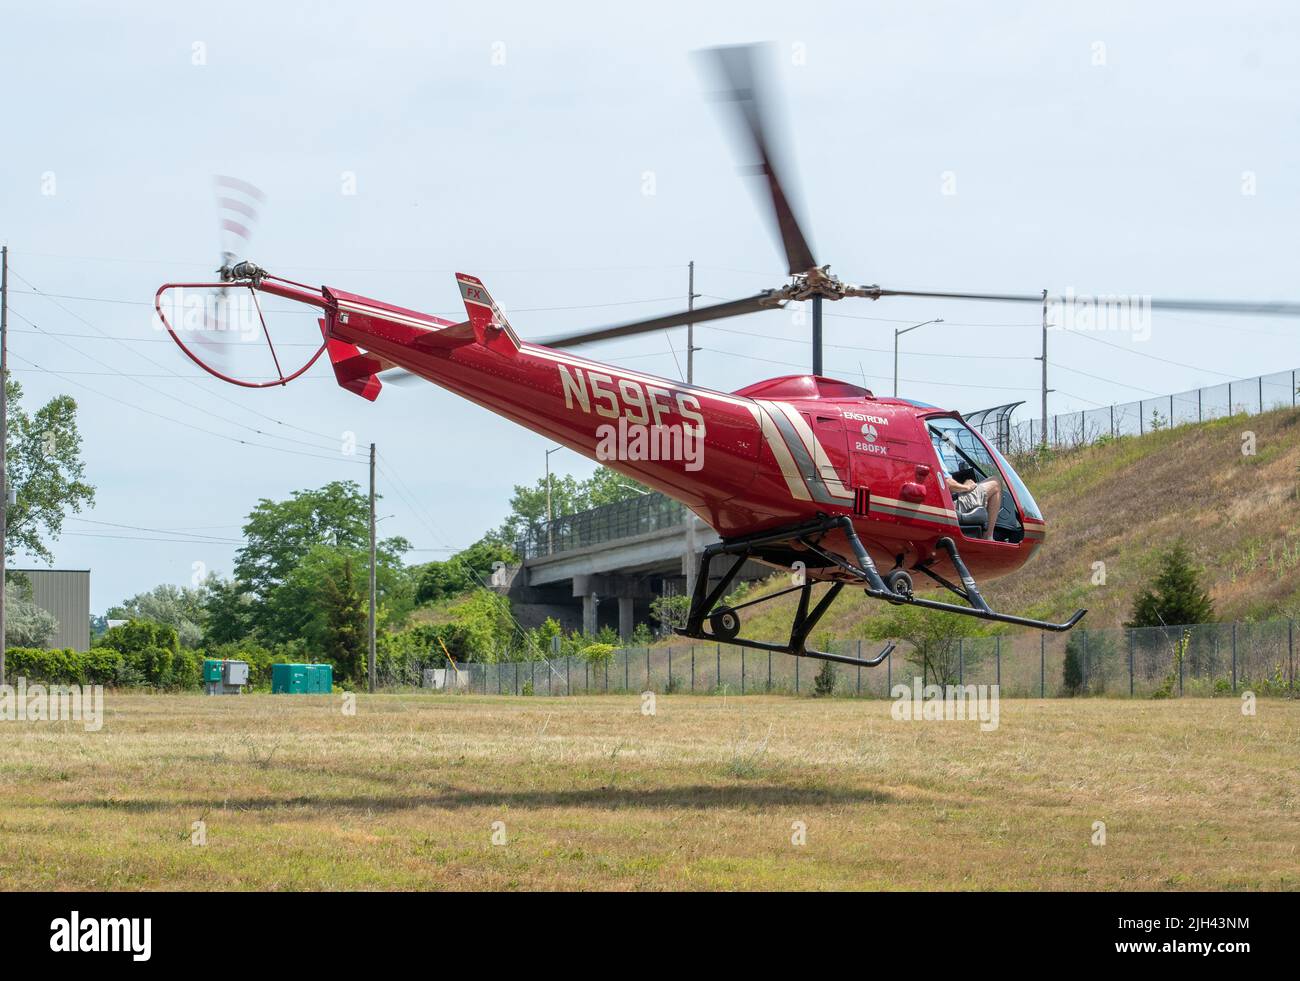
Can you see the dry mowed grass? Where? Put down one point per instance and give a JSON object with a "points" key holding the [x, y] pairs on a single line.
{"points": [[702, 795]]}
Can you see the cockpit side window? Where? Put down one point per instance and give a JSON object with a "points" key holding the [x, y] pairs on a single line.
{"points": [[964, 456]]}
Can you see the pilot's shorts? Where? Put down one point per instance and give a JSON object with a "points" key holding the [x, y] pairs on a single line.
{"points": [[970, 500]]}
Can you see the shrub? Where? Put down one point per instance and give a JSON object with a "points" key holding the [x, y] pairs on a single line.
{"points": [[824, 682]]}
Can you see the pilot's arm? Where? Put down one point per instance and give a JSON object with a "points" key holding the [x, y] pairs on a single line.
{"points": [[958, 486]]}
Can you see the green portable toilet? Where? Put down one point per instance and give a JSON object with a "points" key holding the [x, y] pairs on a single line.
{"points": [[289, 679], [320, 678]]}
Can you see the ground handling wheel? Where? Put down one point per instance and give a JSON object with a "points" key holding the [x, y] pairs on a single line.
{"points": [[724, 623], [900, 584]]}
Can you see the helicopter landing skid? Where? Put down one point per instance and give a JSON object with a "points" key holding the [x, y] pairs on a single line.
{"points": [[895, 588]]}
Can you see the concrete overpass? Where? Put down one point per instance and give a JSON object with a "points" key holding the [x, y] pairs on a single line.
{"points": [[603, 567]]}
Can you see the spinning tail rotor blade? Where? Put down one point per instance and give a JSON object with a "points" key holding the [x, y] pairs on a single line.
{"points": [[736, 68]]}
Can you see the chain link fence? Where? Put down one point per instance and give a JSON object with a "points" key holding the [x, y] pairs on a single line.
{"points": [[1249, 396], [1199, 660]]}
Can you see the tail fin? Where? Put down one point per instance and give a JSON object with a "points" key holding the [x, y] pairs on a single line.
{"points": [[491, 328]]}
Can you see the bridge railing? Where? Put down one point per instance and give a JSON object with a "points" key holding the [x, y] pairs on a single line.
{"points": [[623, 519]]}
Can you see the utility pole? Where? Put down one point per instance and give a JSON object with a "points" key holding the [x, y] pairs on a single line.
{"points": [[690, 325], [370, 661], [4, 438], [550, 537], [817, 335], [1043, 433]]}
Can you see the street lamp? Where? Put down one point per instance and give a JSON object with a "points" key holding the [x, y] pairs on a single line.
{"points": [[899, 333], [550, 543]]}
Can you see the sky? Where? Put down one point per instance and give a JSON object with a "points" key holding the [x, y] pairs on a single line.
{"points": [[568, 155]]}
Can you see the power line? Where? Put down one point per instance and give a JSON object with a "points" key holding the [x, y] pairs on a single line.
{"points": [[167, 395], [163, 367], [178, 422]]}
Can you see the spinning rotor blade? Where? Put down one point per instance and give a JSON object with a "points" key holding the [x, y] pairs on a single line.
{"points": [[735, 67], [1264, 308], [718, 311]]}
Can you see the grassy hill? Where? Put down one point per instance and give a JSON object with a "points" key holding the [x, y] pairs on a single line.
{"points": [[1119, 503]]}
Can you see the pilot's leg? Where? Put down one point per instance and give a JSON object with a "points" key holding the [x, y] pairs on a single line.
{"points": [[993, 495]]}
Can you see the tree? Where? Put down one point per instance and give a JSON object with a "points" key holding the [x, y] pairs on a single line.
{"points": [[568, 496], [26, 624], [43, 465], [279, 534], [1175, 596], [933, 637], [181, 607], [228, 611], [346, 627], [293, 547], [466, 570]]}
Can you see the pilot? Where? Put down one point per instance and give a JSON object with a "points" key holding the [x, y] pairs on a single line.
{"points": [[967, 496]]}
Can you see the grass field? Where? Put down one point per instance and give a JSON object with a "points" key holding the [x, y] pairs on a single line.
{"points": [[704, 794]]}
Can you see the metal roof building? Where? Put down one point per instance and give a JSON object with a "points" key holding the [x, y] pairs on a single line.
{"points": [[65, 594]]}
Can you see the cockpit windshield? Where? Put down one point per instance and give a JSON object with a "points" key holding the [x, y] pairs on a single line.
{"points": [[964, 456]]}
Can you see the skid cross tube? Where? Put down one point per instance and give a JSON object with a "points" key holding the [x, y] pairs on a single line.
{"points": [[703, 599]]}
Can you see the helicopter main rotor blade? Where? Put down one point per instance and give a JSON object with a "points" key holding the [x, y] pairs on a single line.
{"points": [[736, 68], [718, 311], [1279, 308]]}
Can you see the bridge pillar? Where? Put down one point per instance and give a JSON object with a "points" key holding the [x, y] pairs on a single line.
{"points": [[626, 618], [589, 603]]}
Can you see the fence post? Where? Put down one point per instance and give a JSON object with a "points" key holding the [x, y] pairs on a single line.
{"points": [[1084, 659], [742, 671], [718, 654], [859, 668], [889, 673], [670, 666], [1171, 412], [516, 677], [1112, 420], [627, 681], [1198, 406], [647, 667], [606, 677], [550, 678], [1130, 662], [1182, 660], [961, 663], [796, 675], [692, 668], [997, 654], [1290, 653], [1261, 393], [568, 676], [1234, 656], [1042, 665]]}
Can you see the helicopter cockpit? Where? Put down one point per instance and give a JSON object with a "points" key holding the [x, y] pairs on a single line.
{"points": [[964, 455]]}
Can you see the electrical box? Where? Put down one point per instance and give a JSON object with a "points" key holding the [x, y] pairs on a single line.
{"points": [[302, 679], [224, 677]]}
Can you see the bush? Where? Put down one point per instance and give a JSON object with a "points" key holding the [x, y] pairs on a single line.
{"points": [[824, 682], [597, 654]]}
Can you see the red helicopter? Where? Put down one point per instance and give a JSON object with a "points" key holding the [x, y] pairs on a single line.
{"points": [[800, 472]]}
